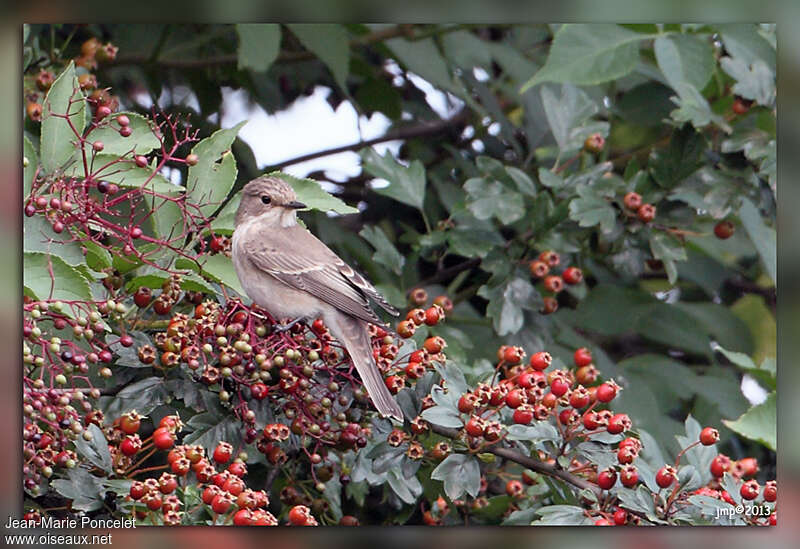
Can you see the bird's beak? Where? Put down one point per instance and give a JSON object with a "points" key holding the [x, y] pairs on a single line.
{"points": [[294, 204]]}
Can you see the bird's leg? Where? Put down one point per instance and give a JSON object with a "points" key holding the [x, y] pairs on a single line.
{"points": [[280, 328]]}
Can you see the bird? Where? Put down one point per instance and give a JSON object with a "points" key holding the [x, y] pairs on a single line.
{"points": [[291, 274]]}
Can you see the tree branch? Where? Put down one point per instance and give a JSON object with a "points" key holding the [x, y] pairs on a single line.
{"points": [[526, 461]]}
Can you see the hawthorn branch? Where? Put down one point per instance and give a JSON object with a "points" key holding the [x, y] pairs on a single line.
{"points": [[526, 461]]}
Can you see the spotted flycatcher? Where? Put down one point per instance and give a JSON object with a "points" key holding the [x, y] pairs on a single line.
{"points": [[287, 271]]}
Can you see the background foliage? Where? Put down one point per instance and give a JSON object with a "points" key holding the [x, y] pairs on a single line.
{"points": [[676, 315]]}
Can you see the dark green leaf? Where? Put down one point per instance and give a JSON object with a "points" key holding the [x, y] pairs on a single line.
{"points": [[385, 252], [679, 160], [30, 163], [143, 396], [489, 199], [590, 209], [259, 45], [211, 179], [96, 449], [668, 249], [684, 58], [330, 43], [406, 184], [763, 237], [460, 473]]}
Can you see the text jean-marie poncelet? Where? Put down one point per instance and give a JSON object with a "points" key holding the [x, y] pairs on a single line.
{"points": [[70, 523]]}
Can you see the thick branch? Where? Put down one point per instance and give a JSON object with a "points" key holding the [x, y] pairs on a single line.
{"points": [[526, 461]]}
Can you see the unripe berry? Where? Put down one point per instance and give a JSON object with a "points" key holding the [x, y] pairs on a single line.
{"points": [[594, 143], [192, 159], [632, 201], [98, 146], [549, 305]]}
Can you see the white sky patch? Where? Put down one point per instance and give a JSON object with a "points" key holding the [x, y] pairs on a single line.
{"points": [[306, 126], [752, 391]]}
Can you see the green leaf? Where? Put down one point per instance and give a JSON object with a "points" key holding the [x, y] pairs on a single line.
{"points": [[753, 81], [550, 179], [539, 432], [259, 45], [129, 356], [460, 473], [142, 140], [489, 199], [209, 429], [443, 416], [591, 54], [385, 252], [406, 184], [699, 456], [763, 237], [589, 209], [668, 249], [311, 193], [765, 373], [561, 515], [38, 236], [744, 41], [407, 489], [144, 396], [679, 160], [82, 489], [57, 138], [211, 179], [506, 302], [568, 114], [758, 423], [684, 58], [220, 268], [466, 50], [96, 449], [29, 163], [66, 282], [422, 57], [330, 43]]}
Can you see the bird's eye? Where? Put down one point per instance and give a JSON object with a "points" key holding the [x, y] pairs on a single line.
{"points": [[265, 199]]}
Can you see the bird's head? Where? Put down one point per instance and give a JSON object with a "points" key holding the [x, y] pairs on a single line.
{"points": [[269, 198]]}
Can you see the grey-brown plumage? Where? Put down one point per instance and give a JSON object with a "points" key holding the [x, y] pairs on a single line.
{"points": [[289, 272]]}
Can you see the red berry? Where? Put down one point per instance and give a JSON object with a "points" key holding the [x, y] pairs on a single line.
{"points": [[582, 357], [136, 232], [125, 131], [629, 476], [162, 306], [217, 243], [719, 465], [406, 329], [30, 210], [142, 297], [579, 398], [554, 283], [523, 415], [749, 490], [192, 159], [123, 120], [603, 522], [666, 476], [299, 515], [466, 403], [773, 518], [724, 230], [514, 488], [618, 423], [237, 468], [126, 340], [444, 302], [549, 305], [550, 257], [140, 161], [559, 386], [741, 106], [620, 517], [646, 213], [771, 491], [138, 489], [538, 268], [102, 112], [606, 392], [223, 452], [748, 466], [709, 436], [572, 275], [434, 344], [130, 445], [243, 517], [98, 146], [475, 427], [432, 316], [541, 360], [129, 423], [513, 355], [590, 421], [515, 398], [259, 391], [163, 439], [607, 479], [394, 384], [221, 503], [632, 201]]}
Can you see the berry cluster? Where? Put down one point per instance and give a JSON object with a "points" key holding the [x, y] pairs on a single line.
{"points": [[543, 268]]}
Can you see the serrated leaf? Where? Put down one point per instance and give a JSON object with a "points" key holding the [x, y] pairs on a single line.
{"points": [[311, 193], [406, 184], [211, 179], [209, 429], [66, 283], [568, 110], [679, 160], [330, 43], [460, 473], [96, 449], [38, 236], [259, 44], [684, 58], [589, 209], [589, 54], [143, 396], [759, 423], [753, 81], [489, 199], [763, 237], [668, 249], [506, 303], [57, 138], [407, 489], [82, 489], [385, 252]]}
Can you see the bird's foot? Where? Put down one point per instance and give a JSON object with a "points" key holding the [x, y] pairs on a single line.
{"points": [[281, 328]]}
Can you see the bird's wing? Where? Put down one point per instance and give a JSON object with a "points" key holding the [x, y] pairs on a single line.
{"points": [[297, 258]]}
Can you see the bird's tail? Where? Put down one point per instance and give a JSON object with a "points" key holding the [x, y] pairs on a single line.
{"points": [[355, 338]]}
